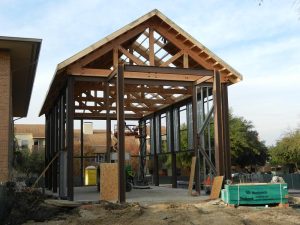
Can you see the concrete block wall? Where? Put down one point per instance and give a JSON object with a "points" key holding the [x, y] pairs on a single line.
{"points": [[5, 114]]}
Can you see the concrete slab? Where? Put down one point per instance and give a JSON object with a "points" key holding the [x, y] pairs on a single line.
{"points": [[147, 196]]}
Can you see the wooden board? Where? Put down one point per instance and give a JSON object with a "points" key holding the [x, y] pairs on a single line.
{"points": [[216, 187], [109, 184], [192, 175]]}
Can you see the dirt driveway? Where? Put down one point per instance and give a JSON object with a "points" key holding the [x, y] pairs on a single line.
{"points": [[180, 214]]}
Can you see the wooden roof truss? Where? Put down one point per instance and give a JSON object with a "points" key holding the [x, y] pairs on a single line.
{"points": [[163, 62]]}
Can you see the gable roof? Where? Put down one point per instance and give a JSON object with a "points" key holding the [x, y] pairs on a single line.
{"points": [[37, 130], [212, 59]]}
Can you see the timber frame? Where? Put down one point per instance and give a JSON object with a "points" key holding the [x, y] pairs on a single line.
{"points": [[148, 68]]}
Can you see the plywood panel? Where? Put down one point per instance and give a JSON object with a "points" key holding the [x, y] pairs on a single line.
{"points": [[216, 187], [109, 186], [192, 175]]}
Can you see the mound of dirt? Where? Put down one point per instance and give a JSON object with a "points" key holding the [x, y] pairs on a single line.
{"points": [[169, 213], [29, 205]]}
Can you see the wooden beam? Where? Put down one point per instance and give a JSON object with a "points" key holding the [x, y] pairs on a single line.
{"points": [[160, 76], [89, 72], [165, 33], [226, 139], [217, 98], [115, 57], [185, 60], [151, 47], [110, 45], [202, 80], [168, 70], [131, 56], [173, 58], [144, 52]]}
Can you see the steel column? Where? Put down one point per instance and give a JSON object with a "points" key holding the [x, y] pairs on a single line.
{"points": [[195, 139], [121, 133], [51, 151], [55, 136], [157, 147], [47, 150], [70, 136], [63, 162], [171, 148], [108, 122], [81, 153]]}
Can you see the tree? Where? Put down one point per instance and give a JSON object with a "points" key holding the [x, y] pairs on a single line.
{"points": [[29, 163], [246, 148], [287, 150]]}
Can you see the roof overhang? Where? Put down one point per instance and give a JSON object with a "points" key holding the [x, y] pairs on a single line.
{"points": [[24, 53]]}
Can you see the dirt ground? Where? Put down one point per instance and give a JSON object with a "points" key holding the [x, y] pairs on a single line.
{"points": [[169, 213]]}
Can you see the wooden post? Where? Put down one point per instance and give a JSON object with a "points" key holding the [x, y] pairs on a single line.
{"points": [[185, 60], [226, 139], [121, 133], [151, 47], [219, 155], [70, 137]]}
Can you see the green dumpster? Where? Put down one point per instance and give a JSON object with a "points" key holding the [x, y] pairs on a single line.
{"points": [[255, 194]]}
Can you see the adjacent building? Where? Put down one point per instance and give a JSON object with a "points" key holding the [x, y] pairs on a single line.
{"points": [[30, 136], [18, 62]]}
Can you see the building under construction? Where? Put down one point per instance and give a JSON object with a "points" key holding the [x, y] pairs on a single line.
{"points": [[147, 71]]}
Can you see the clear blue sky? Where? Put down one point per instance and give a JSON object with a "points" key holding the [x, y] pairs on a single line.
{"points": [[261, 42]]}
